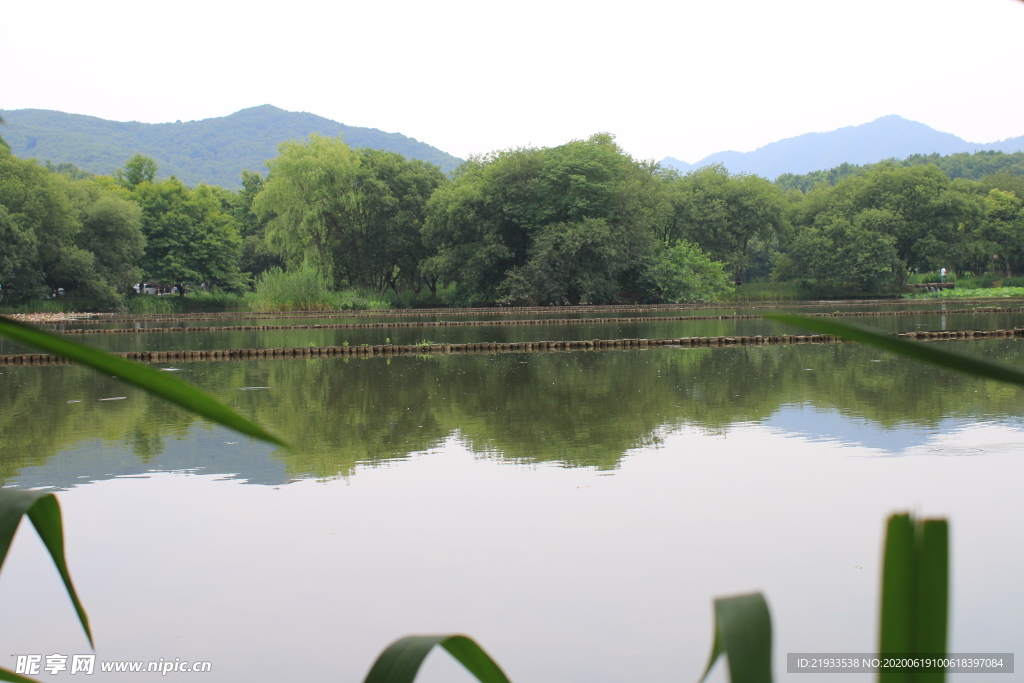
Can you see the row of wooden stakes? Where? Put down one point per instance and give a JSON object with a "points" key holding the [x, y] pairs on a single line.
{"points": [[491, 323], [495, 347]]}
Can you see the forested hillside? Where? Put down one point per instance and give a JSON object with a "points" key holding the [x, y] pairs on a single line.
{"points": [[890, 137], [968, 166], [212, 151]]}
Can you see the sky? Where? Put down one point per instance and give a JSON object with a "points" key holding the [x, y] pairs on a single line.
{"points": [[681, 78]]}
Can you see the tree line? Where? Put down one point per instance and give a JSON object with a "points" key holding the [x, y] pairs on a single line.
{"points": [[582, 222]]}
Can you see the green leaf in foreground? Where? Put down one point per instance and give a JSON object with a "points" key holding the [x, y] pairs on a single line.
{"points": [[43, 511], [915, 596], [160, 383], [743, 633], [401, 661], [924, 352], [7, 675]]}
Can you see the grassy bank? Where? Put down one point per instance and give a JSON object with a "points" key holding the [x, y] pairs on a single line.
{"points": [[798, 291], [201, 302], [972, 293], [765, 291], [278, 291]]}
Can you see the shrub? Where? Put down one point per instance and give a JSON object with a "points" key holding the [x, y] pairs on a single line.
{"points": [[307, 289]]}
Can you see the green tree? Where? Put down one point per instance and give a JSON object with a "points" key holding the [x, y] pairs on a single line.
{"points": [[1005, 182], [257, 257], [684, 272], [568, 264], [723, 214], [1004, 227], [507, 212], [478, 227], [837, 251], [68, 169], [137, 170], [309, 192], [190, 239], [929, 219], [976, 166], [355, 215], [392, 202], [20, 277], [39, 230], [111, 230]]}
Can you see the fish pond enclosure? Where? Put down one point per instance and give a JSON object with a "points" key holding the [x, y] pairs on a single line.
{"points": [[569, 487]]}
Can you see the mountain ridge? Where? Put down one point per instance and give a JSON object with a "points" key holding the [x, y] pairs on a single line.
{"points": [[888, 137], [216, 150], [212, 151]]}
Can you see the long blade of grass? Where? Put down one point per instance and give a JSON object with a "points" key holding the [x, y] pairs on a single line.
{"points": [[915, 596], [932, 595], [160, 383], [6, 675], [895, 636], [743, 632], [473, 657], [44, 512], [716, 651], [401, 661], [926, 353]]}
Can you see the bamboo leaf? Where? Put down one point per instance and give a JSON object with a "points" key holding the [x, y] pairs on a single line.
{"points": [[44, 512], [7, 675], [160, 383], [743, 633], [926, 353], [401, 661]]}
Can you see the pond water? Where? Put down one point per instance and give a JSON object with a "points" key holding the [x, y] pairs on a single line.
{"points": [[561, 328], [243, 318], [574, 512]]}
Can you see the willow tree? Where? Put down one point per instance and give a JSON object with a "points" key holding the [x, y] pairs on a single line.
{"points": [[310, 192], [354, 215]]}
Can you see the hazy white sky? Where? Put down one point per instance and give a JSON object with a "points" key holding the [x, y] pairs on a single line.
{"points": [[674, 78]]}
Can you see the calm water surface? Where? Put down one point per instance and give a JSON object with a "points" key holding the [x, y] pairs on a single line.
{"points": [[574, 512], [554, 312], [651, 328]]}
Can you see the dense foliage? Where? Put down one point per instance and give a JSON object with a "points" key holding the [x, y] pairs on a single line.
{"points": [[872, 230], [356, 215], [976, 166], [579, 223], [63, 235]]}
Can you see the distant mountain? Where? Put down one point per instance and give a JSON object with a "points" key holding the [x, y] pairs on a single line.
{"points": [[890, 137], [212, 151]]}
